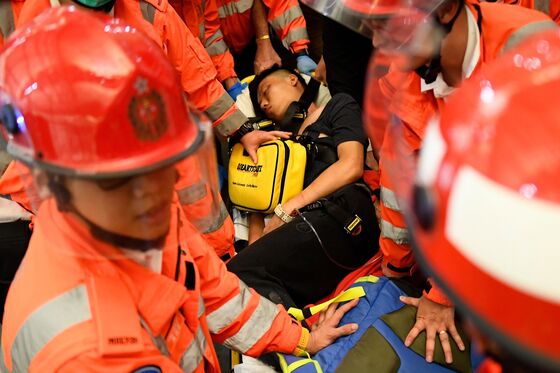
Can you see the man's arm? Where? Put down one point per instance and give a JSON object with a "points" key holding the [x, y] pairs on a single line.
{"points": [[266, 56]]}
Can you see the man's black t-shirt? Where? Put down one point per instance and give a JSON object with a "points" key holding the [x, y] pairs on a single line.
{"points": [[340, 121]]}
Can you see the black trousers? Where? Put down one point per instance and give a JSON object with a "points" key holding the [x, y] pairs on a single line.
{"points": [[291, 267], [14, 239]]}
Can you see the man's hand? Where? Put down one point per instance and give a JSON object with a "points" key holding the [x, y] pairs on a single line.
{"points": [[266, 56], [435, 319], [305, 64], [326, 330], [254, 139]]}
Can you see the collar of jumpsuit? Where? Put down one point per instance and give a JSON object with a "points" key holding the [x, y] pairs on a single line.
{"points": [[472, 56]]}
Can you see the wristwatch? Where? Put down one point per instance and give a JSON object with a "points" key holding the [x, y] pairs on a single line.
{"points": [[282, 214]]}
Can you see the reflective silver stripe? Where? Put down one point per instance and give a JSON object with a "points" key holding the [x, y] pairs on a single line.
{"points": [[192, 357], [46, 322], [285, 18], [158, 341], [253, 330], [201, 31], [7, 25], [543, 6], [3, 368], [218, 34], [229, 125], [219, 47], [229, 311], [219, 107], [219, 222], [396, 234], [389, 199], [294, 35], [192, 193], [201, 307], [529, 29], [148, 11], [240, 6]]}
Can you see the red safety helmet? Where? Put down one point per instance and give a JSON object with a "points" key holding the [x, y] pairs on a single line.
{"points": [[67, 110], [486, 200]]}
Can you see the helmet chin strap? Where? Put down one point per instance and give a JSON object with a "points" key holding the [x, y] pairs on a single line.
{"points": [[430, 72], [118, 240]]}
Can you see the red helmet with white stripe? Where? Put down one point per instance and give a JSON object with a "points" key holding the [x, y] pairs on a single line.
{"points": [[486, 200]]}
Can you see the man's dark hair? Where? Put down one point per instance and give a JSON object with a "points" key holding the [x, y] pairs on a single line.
{"points": [[254, 85]]}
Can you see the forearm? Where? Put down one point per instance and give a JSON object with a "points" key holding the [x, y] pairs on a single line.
{"points": [[339, 174], [260, 23]]}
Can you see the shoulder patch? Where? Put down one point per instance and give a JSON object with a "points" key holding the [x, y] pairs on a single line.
{"points": [[148, 369]]}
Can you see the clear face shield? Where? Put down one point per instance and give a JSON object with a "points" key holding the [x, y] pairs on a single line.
{"points": [[134, 206]]}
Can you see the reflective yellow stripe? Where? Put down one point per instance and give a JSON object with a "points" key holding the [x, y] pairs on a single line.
{"points": [[389, 199], [229, 125], [524, 32], [240, 6], [148, 11], [348, 294], [219, 107], [229, 311], [219, 47], [294, 35], [47, 322], [194, 354], [253, 330], [7, 25], [285, 18], [396, 234]]}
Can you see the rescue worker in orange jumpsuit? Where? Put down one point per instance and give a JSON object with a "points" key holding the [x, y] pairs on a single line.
{"points": [[198, 80], [243, 20], [487, 197], [445, 43], [115, 278], [471, 35], [201, 17]]}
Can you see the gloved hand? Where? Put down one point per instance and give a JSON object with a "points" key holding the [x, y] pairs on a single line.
{"points": [[236, 89], [305, 64]]}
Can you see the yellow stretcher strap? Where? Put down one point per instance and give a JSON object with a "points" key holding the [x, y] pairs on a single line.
{"points": [[347, 295], [289, 368]]}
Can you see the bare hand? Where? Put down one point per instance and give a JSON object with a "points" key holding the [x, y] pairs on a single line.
{"points": [[266, 57], [272, 224], [321, 71], [326, 330], [435, 319], [254, 139]]}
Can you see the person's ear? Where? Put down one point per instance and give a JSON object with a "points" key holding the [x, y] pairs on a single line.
{"points": [[447, 11], [293, 80]]}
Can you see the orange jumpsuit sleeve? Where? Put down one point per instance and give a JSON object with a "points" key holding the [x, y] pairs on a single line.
{"points": [[197, 72], [286, 18], [238, 316], [437, 295], [215, 44]]}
